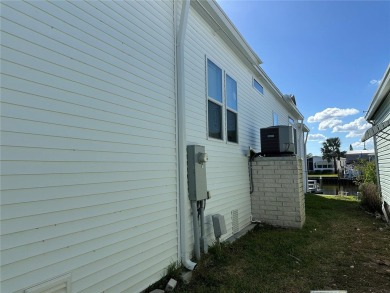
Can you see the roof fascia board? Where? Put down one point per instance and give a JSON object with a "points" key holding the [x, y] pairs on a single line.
{"points": [[379, 95], [216, 18]]}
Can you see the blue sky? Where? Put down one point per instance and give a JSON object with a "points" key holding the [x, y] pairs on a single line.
{"points": [[330, 54]]}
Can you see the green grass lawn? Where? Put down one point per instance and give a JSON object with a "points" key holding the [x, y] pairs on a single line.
{"points": [[340, 247]]}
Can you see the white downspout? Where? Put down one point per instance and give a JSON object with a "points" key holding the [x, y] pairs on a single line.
{"points": [[304, 158], [181, 133]]}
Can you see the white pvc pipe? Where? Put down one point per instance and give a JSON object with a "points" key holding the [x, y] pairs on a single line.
{"points": [[181, 134]]}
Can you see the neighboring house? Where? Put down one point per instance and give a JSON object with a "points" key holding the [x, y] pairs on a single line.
{"points": [[98, 100], [317, 164], [378, 115], [354, 156]]}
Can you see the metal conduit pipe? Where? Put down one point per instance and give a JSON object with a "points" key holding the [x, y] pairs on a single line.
{"points": [[203, 240], [195, 224], [181, 133]]}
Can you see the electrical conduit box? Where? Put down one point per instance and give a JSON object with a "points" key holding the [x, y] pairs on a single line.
{"points": [[196, 169]]}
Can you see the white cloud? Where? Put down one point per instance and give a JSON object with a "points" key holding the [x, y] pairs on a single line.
{"points": [[355, 128], [316, 137], [358, 145], [326, 124], [331, 114], [375, 82]]}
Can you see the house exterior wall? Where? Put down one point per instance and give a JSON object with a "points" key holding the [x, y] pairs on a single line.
{"points": [[379, 112], [227, 168], [88, 144], [89, 156], [383, 150]]}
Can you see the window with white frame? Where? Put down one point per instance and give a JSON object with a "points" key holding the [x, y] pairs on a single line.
{"points": [[215, 100], [258, 86], [275, 118], [231, 109], [222, 104]]}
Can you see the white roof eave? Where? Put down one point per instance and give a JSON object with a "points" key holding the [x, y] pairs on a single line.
{"points": [[379, 95]]}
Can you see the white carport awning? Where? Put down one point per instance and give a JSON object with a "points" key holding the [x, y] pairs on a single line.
{"points": [[379, 128]]}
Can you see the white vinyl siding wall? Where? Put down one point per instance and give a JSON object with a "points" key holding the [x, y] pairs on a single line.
{"points": [[383, 150], [227, 168], [88, 144]]}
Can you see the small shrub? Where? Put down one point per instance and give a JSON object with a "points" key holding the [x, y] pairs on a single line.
{"points": [[367, 171], [371, 200]]}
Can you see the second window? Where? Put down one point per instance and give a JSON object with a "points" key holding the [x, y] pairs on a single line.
{"points": [[222, 104]]}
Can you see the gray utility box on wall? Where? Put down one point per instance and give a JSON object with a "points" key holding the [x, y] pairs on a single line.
{"points": [[196, 165]]}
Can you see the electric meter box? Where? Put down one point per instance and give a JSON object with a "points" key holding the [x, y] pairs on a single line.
{"points": [[196, 171]]}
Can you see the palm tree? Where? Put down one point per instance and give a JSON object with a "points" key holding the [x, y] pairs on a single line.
{"points": [[331, 150]]}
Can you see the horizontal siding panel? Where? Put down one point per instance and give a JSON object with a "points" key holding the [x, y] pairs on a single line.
{"points": [[135, 15], [80, 133], [64, 82], [108, 258], [104, 218], [88, 143], [84, 74], [383, 153], [68, 83], [86, 64], [67, 123], [55, 218], [43, 193], [56, 155], [62, 141], [138, 275], [74, 70], [114, 232], [12, 211], [381, 142], [122, 271], [70, 31], [72, 262], [118, 133], [32, 166], [85, 97], [66, 257], [142, 145]]}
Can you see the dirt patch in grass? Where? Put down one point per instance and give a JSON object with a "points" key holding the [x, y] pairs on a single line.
{"points": [[340, 247]]}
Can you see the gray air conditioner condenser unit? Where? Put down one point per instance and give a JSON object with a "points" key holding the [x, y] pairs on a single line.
{"points": [[277, 140]]}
